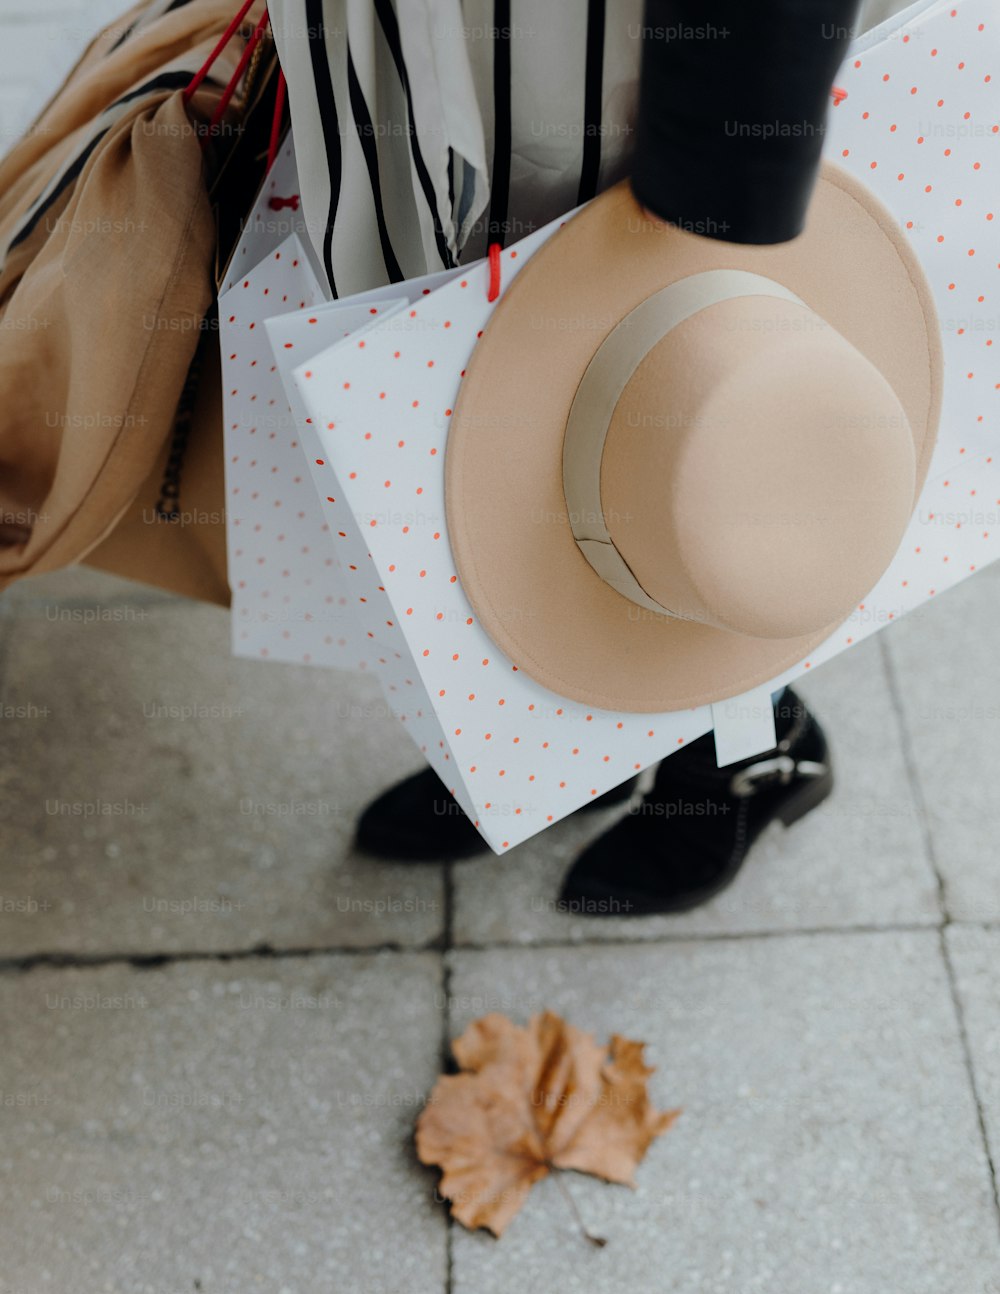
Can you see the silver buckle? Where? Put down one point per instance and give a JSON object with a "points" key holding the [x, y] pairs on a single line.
{"points": [[777, 771], [748, 781]]}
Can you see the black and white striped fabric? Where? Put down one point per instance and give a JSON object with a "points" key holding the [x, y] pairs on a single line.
{"points": [[427, 129]]}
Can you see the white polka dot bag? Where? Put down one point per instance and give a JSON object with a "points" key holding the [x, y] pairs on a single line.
{"points": [[290, 602], [918, 122]]}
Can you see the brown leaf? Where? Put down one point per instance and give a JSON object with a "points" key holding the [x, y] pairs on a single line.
{"points": [[530, 1100]]}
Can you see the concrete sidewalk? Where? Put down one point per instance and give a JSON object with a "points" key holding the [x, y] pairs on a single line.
{"points": [[219, 1023]]}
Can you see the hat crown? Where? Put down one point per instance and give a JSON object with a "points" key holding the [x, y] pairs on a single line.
{"points": [[756, 472]]}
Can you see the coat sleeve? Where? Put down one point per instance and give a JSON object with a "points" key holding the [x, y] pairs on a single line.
{"points": [[732, 108]]}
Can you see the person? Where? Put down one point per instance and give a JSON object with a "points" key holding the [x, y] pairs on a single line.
{"points": [[732, 100]]}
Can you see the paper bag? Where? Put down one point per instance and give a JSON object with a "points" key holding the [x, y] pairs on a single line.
{"points": [[919, 125]]}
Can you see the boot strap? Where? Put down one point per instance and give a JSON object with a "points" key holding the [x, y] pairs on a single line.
{"points": [[779, 770]]}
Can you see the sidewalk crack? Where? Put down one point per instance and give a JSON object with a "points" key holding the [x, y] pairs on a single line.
{"points": [[920, 800], [439, 944], [157, 961]]}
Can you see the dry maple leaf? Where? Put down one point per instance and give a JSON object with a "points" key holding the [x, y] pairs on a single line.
{"points": [[530, 1100]]}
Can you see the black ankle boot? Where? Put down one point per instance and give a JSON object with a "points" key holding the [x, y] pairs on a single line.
{"points": [[420, 821], [686, 840]]}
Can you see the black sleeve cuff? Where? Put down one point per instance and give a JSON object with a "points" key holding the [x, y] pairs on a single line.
{"points": [[732, 111]]}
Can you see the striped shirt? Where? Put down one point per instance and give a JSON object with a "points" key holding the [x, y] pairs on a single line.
{"points": [[426, 129]]}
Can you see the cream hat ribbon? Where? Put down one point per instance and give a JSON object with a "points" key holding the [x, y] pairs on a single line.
{"points": [[610, 370]]}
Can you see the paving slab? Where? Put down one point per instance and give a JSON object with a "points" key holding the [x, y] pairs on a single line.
{"points": [[228, 1128], [858, 860], [157, 795], [829, 1142], [946, 660], [975, 957]]}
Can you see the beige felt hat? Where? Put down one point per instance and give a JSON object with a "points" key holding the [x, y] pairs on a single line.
{"points": [[676, 465]]}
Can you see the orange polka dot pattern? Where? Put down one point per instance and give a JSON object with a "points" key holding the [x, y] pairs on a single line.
{"points": [[516, 756], [920, 126], [288, 600], [282, 564]]}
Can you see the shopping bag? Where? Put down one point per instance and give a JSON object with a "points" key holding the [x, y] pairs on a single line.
{"points": [[283, 566], [522, 756], [920, 124], [515, 756]]}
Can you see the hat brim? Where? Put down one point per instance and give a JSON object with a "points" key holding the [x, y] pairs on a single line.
{"points": [[534, 592]]}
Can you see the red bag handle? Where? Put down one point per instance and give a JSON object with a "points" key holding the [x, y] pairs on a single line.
{"points": [[234, 80], [279, 108], [224, 40], [229, 91]]}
